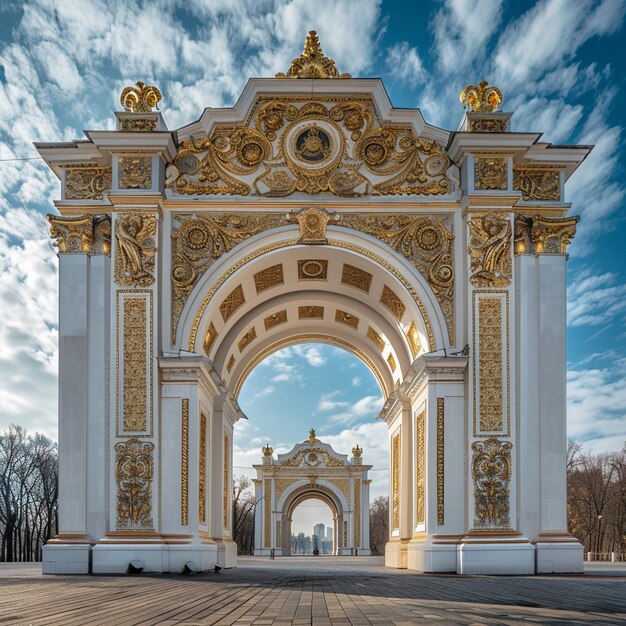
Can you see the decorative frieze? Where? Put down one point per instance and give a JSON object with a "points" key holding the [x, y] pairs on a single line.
{"points": [[138, 125], [134, 469], [486, 125], [395, 481], [440, 460], [280, 317], [393, 302], [312, 269], [135, 172], [491, 472], [490, 250], [313, 311], [86, 182], [420, 467], [269, 277], [356, 277], [537, 183], [346, 318], [491, 173], [232, 302], [543, 235], [135, 249], [202, 466], [184, 463]]}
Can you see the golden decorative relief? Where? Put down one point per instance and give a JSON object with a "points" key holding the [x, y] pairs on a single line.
{"points": [[414, 340], [552, 235], [393, 303], [267, 509], [357, 513], [356, 277], [269, 277], [202, 470], [357, 454], [184, 463], [227, 485], [200, 240], [133, 475], [136, 384], [320, 458], [483, 97], [376, 338], [491, 471], [209, 338], [312, 63], [138, 125], [275, 319], [522, 234], [101, 235], [312, 224], [490, 364], [231, 362], [135, 237], [314, 269], [487, 125], [247, 339], [299, 145], [537, 184], [490, 250], [345, 533], [491, 173], [343, 484], [392, 362], [395, 482], [74, 235], [426, 242], [135, 172], [87, 182], [232, 302], [346, 318], [440, 460], [313, 311], [282, 484], [420, 467], [141, 98]]}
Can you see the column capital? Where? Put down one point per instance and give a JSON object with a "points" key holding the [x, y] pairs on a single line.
{"points": [[81, 234]]}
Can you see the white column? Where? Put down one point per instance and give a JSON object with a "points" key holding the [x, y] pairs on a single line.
{"points": [[365, 514]]}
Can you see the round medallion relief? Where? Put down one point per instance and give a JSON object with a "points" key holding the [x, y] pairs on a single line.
{"points": [[313, 145]]}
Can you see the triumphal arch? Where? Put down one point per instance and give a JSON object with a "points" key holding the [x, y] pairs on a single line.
{"points": [[312, 470], [313, 210]]}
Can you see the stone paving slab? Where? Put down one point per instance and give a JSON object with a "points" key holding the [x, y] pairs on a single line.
{"points": [[305, 590]]}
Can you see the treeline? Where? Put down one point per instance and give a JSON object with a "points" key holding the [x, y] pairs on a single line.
{"points": [[596, 499], [29, 470]]}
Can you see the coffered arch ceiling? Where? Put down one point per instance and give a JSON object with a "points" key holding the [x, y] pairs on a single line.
{"points": [[272, 292], [328, 495]]}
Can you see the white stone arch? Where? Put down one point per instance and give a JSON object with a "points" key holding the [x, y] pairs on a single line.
{"points": [[344, 246]]}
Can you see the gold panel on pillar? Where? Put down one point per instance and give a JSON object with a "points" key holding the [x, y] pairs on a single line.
{"points": [[491, 363], [267, 507], [227, 486], [278, 537], [345, 533], [134, 373], [184, 464], [440, 459], [202, 471], [420, 467], [395, 481], [357, 513]]}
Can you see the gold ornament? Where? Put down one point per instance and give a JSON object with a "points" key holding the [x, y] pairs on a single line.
{"points": [[346, 318], [491, 471], [376, 338], [202, 459], [482, 97], [138, 126], [312, 63], [440, 460], [135, 172], [232, 302], [184, 464], [420, 467], [393, 303], [247, 339], [140, 99], [312, 224], [74, 235], [490, 173], [88, 182], [267, 450], [357, 452], [305, 312], [269, 277], [552, 235], [135, 236], [356, 277], [227, 485], [133, 475], [312, 438], [537, 184], [395, 482], [490, 250], [275, 319], [487, 125]]}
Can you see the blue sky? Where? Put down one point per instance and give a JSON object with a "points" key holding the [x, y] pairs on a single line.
{"points": [[559, 64]]}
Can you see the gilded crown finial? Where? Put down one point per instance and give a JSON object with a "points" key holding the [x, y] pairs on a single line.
{"points": [[312, 63], [482, 98], [312, 438], [140, 99], [357, 451], [267, 450]]}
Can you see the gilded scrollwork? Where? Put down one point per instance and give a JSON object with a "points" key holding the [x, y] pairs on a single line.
{"points": [[312, 223], [491, 173], [101, 235], [200, 240], [420, 467], [427, 242], [135, 172], [487, 125], [395, 482], [537, 183], [134, 470], [73, 235], [299, 145], [491, 472], [552, 235], [138, 125], [87, 182], [490, 250], [135, 236], [141, 98]]}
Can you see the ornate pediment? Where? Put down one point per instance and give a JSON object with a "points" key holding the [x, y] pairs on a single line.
{"points": [[333, 145], [312, 455]]}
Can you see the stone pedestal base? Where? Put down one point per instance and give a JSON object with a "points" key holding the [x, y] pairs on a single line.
{"points": [[226, 553], [396, 554], [66, 559], [496, 558], [559, 557], [426, 556], [109, 558]]}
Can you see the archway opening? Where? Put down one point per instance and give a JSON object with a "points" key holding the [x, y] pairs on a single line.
{"points": [[305, 537], [319, 386]]}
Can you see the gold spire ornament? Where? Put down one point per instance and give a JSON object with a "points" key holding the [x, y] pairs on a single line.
{"points": [[267, 450], [312, 438], [140, 99], [481, 98], [312, 63]]}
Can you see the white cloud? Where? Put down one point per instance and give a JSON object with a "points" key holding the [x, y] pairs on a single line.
{"points": [[404, 63], [365, 408], [356, 381], [265, 392], [327, 403], [595, 298]]}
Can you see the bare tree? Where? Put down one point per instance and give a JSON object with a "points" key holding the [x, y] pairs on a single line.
{"points": [[243, 515], [379, 525]]}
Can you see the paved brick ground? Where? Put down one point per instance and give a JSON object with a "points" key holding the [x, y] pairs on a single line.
{"points": [[309, 591]]}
